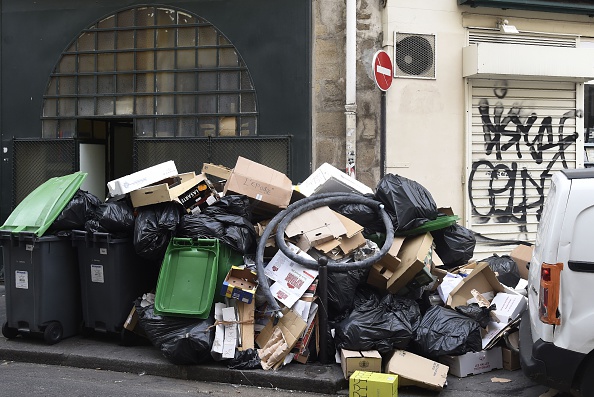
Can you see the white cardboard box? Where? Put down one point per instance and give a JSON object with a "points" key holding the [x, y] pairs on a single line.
{"points": [[473, 363], [508, 306], [142, 178], [328, 178]]}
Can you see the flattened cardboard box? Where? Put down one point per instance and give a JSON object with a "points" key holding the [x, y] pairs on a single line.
{"points": [[352, 361], [414, 370], [269, 189], [474, 363], [481, 278], [347, 243], [315, 227], [291, 326], [164, 190], [328, 178], [373, 384], [412, 256], [381, 272]]}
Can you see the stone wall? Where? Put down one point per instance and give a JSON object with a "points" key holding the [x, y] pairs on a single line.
{"points": [[329, 57]]}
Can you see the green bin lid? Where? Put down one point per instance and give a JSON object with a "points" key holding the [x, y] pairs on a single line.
{"points": [[42, 206]]}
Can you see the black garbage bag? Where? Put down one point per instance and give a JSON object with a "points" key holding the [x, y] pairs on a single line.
{"points": [[116, 217], [222, 221], [77, 212], [480, 314], [182, 341], [505, 268], [246, 359], [363, 215], [154, 227], [454, 245], [444, 331], [341, 291], [407, 202], [384, 327]]}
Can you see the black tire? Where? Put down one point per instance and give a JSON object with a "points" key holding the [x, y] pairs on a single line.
{"points": [[53, 333], [9, 332]]}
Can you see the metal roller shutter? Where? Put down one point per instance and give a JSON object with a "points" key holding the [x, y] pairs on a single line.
{"points": [[521, 133]]}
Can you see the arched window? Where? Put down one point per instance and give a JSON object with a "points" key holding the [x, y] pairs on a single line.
{"points": [[174, 74]]}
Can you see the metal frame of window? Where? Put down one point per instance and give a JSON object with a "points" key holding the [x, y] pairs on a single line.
{"points": [[122, 64]]}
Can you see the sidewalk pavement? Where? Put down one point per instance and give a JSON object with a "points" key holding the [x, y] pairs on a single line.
{"points": [[102, 352]]}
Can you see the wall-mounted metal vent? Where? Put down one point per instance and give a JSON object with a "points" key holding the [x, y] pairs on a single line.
{"points": [[414, 55], [476, 36]]}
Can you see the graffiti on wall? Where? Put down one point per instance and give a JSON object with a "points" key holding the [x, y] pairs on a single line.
{"points": [[511, 184]]}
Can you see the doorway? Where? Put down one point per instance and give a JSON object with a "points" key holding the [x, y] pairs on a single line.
{"points": [[105, 152]]}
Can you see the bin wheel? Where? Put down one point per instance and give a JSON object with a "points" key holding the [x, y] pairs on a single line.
{"points": [[9, 332], [52, 333]]}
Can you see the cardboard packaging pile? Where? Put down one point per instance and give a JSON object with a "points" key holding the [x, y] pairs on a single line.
{"points": [[242, 322]]}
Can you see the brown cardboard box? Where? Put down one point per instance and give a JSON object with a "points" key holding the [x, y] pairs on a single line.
{"points": [[352, 361], [166, 190], [412, 256], [481, 279], [276, 341], [269, 189], [414, 370], [382, 271], [314, 228], [511, 359], [246, 314], [347, 243], [219, 171], [522, 255]]}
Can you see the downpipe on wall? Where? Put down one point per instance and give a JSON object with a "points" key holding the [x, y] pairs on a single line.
{"points": [[351, 88]]}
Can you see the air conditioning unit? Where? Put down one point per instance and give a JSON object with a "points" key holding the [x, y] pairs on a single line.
{"points": [[414, 55]]}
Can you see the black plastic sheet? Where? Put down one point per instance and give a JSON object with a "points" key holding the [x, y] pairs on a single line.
{"points": [[342, 287], [480, 314], [116, 217], [77, 212], [246, 359], [454, 245], [505, 268], [154, 227]]}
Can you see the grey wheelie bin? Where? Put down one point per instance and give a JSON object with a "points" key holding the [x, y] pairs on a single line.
{"points": [[112, 276], [41, 272]]}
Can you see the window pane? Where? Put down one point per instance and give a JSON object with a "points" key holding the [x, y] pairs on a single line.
{"points": [[52, 86], [186, 59], [86, 41], [228, 103], [126, 18], [145, 16], [86, 85], [108, 22], [207, 35], [125, 39], [229, 80], [165, 127], [105, 84], [145, 105], [124, 83], [186, 126], [207, 57], [186, 104], [105, 62], [227, 126], [186, 37], [207, 104], [50, 107], [246, 81], [145, 60], [125, 105], [164, 104], [50, 129], [86, 63], [165, 38], [144, 128], [67, 128], [183, 18], [125, 61], [228, 57], [67, 64], [165, 16], [145, 38], [145, 82], [105, 40], [67, 86], [185, 82], [207, 126], [165, 82], [248, 102], [67, 107], [207, 81], [86, 107], [104, 106], [165, 60], [247, 126]]}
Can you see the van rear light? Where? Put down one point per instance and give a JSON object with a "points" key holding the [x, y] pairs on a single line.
{"points": [[550, 284]]}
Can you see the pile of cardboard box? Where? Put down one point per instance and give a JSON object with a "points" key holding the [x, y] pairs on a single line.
{"points": [[411, 264]]}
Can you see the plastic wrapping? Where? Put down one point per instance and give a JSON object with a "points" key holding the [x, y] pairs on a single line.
{"points": [[363, 215], [444, 331], [505, 268], [454, 245], [246, 359], [116, 217], [154, 227], [407, 202], [481, 315], [386, 326], [77, 212], [181, 340]]}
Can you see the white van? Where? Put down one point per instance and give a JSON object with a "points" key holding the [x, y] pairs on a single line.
{"points": [[557, 330]]}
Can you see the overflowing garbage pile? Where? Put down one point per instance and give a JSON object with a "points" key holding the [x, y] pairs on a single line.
{"points": [[421, 310]]}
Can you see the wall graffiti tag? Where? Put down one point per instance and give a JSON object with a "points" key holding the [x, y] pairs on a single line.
{"points": [[514, 190]]}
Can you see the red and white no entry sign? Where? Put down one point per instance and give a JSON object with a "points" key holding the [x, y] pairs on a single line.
{"points": [[382, 70]]}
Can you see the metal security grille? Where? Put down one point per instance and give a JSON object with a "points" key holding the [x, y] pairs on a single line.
{"points": [[173, 72], [190, 154], [36, 161], [522, 132], [414, 55]]}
